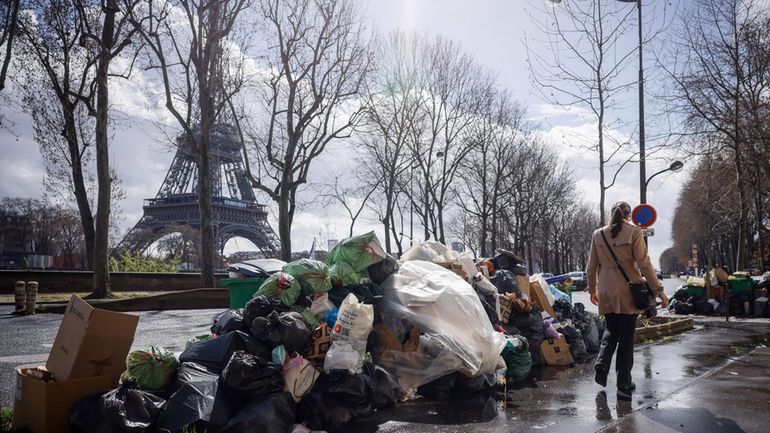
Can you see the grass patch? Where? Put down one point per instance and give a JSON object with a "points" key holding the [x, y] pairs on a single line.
{"points": [[6, 421]]}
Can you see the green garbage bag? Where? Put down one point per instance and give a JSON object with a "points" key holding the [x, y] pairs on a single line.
{"points": [[518, 360], [312, 275], [152, 368], [281, 286], [359, 252], [307, 315], [342, 274]]}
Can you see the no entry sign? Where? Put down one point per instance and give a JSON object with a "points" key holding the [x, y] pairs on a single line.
{"points": [[644, 215]]}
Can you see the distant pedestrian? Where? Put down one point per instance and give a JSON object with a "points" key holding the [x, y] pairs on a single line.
{"points": [[610, 291]]}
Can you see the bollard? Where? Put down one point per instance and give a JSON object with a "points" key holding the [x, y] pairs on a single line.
{"points": [[31, 296], [19, 297]]}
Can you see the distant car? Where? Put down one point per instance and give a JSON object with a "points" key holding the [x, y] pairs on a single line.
{"points": [[579, 278]]}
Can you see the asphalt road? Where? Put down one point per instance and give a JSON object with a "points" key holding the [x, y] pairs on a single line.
{"points": [[27, 340]]}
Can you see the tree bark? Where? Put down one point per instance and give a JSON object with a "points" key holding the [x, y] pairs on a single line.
{"points": [[102, 228], [78, 183]]}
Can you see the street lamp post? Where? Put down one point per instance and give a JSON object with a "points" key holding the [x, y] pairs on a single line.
{"points": [[675, 166]]}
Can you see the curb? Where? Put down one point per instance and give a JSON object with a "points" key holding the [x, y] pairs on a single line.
{"points": [[196, 299], [664, 329]]}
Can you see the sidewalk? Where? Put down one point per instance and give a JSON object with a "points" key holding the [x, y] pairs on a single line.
{"points": [[711, 379]]}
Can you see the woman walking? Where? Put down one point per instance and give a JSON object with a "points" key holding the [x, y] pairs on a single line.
{"points": [[610, 290]]}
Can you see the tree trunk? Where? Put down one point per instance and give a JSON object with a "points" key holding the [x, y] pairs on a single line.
{"points": [[78, 183], [101, 233], [284, 225]]}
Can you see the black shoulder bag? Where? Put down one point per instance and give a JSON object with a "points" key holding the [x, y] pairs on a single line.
{"points": [[640, 292]]}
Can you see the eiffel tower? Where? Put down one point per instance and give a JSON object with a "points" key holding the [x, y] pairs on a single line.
{"points": [[234, 206]]}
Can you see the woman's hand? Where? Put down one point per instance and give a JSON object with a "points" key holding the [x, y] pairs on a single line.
{"points": [[663, 300], [595, 299]]}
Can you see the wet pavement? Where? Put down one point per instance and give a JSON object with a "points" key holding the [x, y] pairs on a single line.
{"points": [[727, 365], [714, 378]]}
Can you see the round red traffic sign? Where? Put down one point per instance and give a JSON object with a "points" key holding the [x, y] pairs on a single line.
{"points": [[644, 215]]}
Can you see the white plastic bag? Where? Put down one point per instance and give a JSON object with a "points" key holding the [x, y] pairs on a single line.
{"points": [[321, 305], [354, 323], [342, 356]]}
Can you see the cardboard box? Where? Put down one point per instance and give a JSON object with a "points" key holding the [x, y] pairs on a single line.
{"points": [[556, 351], [44, 407], [537, 296], [91, 342], [523, 282]]}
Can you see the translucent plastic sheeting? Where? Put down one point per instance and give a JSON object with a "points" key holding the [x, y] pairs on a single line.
{"points": [[457, 334]]}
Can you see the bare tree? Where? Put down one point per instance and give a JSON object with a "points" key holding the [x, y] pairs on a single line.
{"points": [[720, 68], [392, 122], [9, 15], [353, 198], [453, 85], [188, 44], [495, 137], [580, 63], [70, 46], [317, 62]]}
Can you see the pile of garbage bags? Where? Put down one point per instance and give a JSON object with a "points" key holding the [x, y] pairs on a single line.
{"points": [[718, 293], [323, 344]]}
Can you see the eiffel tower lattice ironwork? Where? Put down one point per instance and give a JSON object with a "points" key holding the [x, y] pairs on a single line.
{"points": [[234, 205]]}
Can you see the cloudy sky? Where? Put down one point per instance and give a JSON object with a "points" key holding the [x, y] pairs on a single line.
{"points": [[493, 31]]}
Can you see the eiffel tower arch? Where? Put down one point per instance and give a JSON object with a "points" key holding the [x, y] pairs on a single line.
{"points": [[235, 210]]}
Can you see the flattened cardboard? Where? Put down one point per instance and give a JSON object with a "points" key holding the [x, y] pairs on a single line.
{"points": [[90, 342], [556, 351], [44, 407], [538, 297]]}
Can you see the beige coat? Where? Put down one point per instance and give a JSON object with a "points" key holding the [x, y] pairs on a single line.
{"points": [[605, 278]]}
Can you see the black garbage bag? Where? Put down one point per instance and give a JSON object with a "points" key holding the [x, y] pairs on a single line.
{"points": [[474, 385], [230, 320], [591, 336], [530, 325], [369, 294], [216, 352], [505, 281], [337, 399], [198, 401], [125, 409], [287, 328], [247, 376], [681, 307], [680, 294], [488, 302], [704, 308], [274, 413], [261, 306], [576, 344], [385, 387], [510, 262], [563, 309], [439, 389], [380, 271]]}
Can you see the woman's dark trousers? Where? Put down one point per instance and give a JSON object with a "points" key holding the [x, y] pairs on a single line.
{"points": [[618, 335]]}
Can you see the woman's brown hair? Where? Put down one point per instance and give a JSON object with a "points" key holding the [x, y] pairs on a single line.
{"points": [[620, 211]]}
